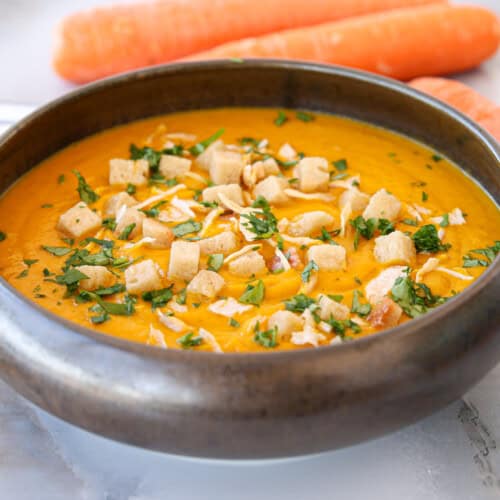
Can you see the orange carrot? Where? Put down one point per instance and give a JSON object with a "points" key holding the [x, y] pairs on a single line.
{"points": [[404, 43], [108, 40], [465, 99]]}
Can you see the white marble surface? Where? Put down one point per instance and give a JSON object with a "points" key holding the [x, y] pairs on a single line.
{"points": [[449, 456]]}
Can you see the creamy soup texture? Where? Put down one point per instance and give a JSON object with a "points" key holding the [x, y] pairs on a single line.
{"points": [[235, 230]]}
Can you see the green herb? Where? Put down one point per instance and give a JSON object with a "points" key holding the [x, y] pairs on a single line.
{"points": [[414, 298], [426, 239], [175, 150], [109, 223], [363, 227], [336, 298], [236, 60], [102, 243], [418, 183], [187, 227], [304, 117], [436, 158], [23, 274], [209, 204], [158, 298], [187, 341], [340, 165], [253, 294], [86, 193], [154, 211], [61, 179], [146, 153], [197, 149], [263, 224], [160, 179], [47, 205], [299, 303], [425, 196], [30, 262], [47, 273], [124, 235], [410, 222], [267, 338], [101, 318], [181, 297], [337, 177], [250, 141], [286, 164], [70, 279], [340, 327], [112, 290], [234, 323], [359, 308], [215, 261], [131, 189], [489, 253], [385, 226], [445, 220], [306, 273], [280, 242], [281, 119], [3, 236], [57, 251]]}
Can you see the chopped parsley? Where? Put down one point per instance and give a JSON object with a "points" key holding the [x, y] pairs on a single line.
{"points": [[181, 297], [340, 165], [359, 308], [197, 149], [263, 224], [306, 273], [30, 262], [215, 261], [158, 298], [57, 251], [131, 189], [425, 196], [327, 236], [336, 298], [367, 228], [146, 153], [340, 326], [127, 231], [185, 228], [253, 294], [61, 179], [267, 338], [489, 253], [160, 179], [189, 340], [299, 303], [23, 274], [410, 222], [47, 205], [70, 279], [304, 117], [3, 236], [109, 223], [281, 119], [154, 211], [436, 158], [209, 204], [426, 239], [86, 193], [234, 323], [445, 220], [112, 290]]}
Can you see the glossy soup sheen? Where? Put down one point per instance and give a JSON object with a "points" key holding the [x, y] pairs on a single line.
{"points": [[415, 175]]}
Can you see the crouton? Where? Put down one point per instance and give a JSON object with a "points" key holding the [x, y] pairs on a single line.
{"points": [[79, 220], [117, 201], [206, 283], [232, 192], [225, 243], [385, 314], [249, 264], [130, 216], [394, 247], [172, 167], [379, 287], [329, 308], [204, 160], [98, 277], [313, 174], [226, 167], [286, 322], [184, 260], [287, 152], [272, 189], [382, 205], [161, 233], [328, 257], [310, 222], [143, 277], [355, 198], [134, 172], [270, 167]]}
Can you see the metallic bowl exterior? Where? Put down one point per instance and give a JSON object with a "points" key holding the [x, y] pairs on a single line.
{"points": [[247, 406]]}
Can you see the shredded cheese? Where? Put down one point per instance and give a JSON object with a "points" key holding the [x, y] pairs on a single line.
{"points": [[242, 251], [209, 220], [228, 307], [209, 339], [159, 197], [294, 193], [156, 337], [171, 322]]}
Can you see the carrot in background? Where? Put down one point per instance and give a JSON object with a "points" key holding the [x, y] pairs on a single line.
{"points": [[403, 44], [465, 99], [108, 40]]}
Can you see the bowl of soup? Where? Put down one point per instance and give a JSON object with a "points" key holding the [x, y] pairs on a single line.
{"points": [[247, 259]]}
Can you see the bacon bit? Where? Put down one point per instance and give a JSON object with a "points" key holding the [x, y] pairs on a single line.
{"points": [[385, 314]]}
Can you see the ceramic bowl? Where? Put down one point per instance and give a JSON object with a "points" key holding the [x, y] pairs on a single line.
{"points": [[249, 406]]}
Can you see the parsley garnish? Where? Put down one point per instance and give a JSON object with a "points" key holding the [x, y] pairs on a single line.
{"points": [[86, 193], [187, 227], [70, 279], [253, 294], [197, 149], [306, 273], [146, 153], [57, 251], [61, 179], [109, 223], [489, 253], [425, 196], [267, 338], [426, 239], [299, 303], [158, 298], [436, 158], [445, 220], [234, 323], [359, 308], [131, 189], [340, 165], [336, 298], [281, 119], [124, 235], [263, 224], [215, 261], [187, 341], [304, 117], [112, 290], [3, 236], [181, 297], [410, 222], [30, 262]]}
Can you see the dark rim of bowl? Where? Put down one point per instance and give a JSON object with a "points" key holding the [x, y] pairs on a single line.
{"points": [[408, 328]]}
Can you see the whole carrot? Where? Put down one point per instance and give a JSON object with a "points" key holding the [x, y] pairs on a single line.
{"points": [[404, 43], [108, 40], [465, 99]]}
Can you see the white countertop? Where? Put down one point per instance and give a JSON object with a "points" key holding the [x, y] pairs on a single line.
{"points": [[449, 456]]}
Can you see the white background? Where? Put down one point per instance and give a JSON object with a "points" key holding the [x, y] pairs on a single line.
{"points": [[443, 457]]}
